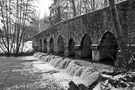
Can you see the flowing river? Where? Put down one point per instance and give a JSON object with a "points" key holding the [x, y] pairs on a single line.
{"points": [[46, 72]]}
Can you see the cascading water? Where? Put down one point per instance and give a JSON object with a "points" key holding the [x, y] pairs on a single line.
{"points": [[82, 69]]}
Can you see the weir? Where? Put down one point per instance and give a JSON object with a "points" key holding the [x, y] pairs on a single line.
{"points": [[82, 69]]}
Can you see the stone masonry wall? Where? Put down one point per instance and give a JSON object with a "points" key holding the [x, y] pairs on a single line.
{"points": [[95, 24]]}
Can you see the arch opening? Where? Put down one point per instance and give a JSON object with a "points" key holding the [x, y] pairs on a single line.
{"points": [[86, 51], [108, 48], [45, 46], [71, 48], [60, 45], [40, 46], [51, 46]]}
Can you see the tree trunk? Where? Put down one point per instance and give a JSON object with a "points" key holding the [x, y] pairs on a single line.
{"points": [[74, 10], [58, 14], [93, 5], [120, 36]]}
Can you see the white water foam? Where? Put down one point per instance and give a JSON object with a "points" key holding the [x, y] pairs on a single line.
{"points": [[78, 71]]}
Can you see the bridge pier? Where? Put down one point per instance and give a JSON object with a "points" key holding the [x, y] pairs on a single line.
{"points": [[59, 46], [66, 52], [77, 51], [95, 52]]}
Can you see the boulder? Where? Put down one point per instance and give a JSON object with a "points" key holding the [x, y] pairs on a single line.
{"points": [[92, 77], [72, 86], [82, 87]]}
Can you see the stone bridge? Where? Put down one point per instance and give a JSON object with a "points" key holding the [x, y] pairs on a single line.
{"points": [[88, 36]]}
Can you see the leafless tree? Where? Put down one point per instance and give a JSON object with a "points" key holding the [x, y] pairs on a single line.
{"points": [[15, 15]]}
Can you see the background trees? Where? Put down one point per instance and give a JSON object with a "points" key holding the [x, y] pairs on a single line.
{"points": [[16, 16], [66, 9]]}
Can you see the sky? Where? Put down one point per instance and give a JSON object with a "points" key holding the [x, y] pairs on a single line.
{"points": [[44, 7]]}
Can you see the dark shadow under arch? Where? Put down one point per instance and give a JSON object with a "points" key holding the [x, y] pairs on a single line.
{"points": [[45, 46], [60, 45], [51, 46], [71, 47], [40, 46], [86, 51], [108, 47]]}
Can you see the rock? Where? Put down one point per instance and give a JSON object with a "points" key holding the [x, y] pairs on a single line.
{"points": [[105, 77], [72, 86], [112, 73], [97, 79], [97, 87], [90, 78], [82, 87], [133, 88]]}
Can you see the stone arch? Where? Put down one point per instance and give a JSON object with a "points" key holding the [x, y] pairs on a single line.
{"points": [[71, 47], [40, 45], [45, 46], [60, 45], [85, 47], [108, 47], [51, 45]]}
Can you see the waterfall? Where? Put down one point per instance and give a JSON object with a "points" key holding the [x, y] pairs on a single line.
{"points": [[82, 69]]}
